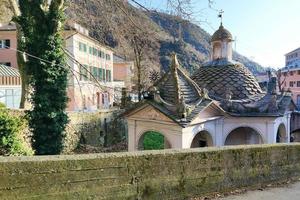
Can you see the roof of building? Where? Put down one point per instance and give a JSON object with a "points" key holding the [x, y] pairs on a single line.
{"points": [[221, 34], [221, 77], [120, 59], [8, 71], [298, 49], [177, 96], [8, 27], [176, 86]]}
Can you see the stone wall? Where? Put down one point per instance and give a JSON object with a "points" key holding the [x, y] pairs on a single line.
{"points": [[170, 174], [92, 129]]}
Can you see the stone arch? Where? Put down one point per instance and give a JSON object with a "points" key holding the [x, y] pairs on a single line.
{"points": [[155, 140], [243, 135], [202, 139], [281, 136]]}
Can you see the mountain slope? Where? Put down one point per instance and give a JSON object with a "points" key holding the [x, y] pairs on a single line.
{"points": [[191, 44], [198, 38]]}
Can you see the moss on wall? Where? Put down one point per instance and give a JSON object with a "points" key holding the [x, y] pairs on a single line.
{"points": [[95, 129], [147, 175]]}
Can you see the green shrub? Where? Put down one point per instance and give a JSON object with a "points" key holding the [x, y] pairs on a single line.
{"points": [[12, 141], [2, 105], [153, 141]]}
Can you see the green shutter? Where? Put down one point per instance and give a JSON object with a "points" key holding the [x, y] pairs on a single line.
{"points": [[90, 50], [104, 77], [101, 74], [81, 72], [95, 73], [80, 47], [86, 68], [90, 73]]}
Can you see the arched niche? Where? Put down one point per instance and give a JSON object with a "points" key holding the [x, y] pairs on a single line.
{"points": [[153, 140], [243, 136], [281, 136], [202, 139]]}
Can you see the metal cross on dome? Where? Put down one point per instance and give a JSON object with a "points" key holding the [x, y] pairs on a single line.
{"points": [[221, 15]]}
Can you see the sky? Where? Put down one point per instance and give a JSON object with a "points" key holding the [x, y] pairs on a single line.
{"points": [[265, 30]]}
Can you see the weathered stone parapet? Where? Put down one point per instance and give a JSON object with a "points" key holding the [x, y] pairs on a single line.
{"points": [[147, 175]]}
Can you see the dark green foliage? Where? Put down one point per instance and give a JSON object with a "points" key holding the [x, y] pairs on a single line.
{"points": [[11, 140], [153, 141], [41, 25]]}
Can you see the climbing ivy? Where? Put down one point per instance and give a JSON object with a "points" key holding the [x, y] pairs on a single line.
{"points": [[41, 22]]}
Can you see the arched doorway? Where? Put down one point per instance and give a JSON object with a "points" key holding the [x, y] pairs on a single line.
{"points": [[281, 136], [153, 140], [202, 139], [243, 135]]}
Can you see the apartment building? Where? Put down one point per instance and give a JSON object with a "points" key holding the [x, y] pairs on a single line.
{"points": [[290, 75], [91, 63]]}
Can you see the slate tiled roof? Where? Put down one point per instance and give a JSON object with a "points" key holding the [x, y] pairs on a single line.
{"points": [[8, 71], [175, 84], [222, 76], [168, 89]]}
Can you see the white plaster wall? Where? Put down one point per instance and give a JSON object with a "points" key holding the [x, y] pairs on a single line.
{"points": [[286, 121], [136, 128], [218, 128], [214, 127]]}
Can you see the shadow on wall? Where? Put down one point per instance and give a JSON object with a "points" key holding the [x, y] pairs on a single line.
{"points": [[243, 136]]}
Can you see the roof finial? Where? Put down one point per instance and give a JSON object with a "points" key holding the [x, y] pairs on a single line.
{"points": [[221, 16]]}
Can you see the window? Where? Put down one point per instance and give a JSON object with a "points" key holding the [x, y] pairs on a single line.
{"points": [[90, 72], [107, 57], [298, 83], [284, 74], [291, 73], [82, 47], [83, 73], [291, 83], [91, 50], [4, 44], [95, 51], [100, 74], [95, 73], [103, 74]]}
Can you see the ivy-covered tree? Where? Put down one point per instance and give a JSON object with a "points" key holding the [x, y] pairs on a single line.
{"points": [[41, 24]]}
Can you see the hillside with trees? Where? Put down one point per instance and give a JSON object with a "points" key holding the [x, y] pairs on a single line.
{"points": [[109, 22]]}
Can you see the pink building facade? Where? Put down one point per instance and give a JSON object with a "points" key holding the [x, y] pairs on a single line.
{"points": [[90, 84], [91, 77], [290, 75], [123, 71], [10, 81], [8, 45]]}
